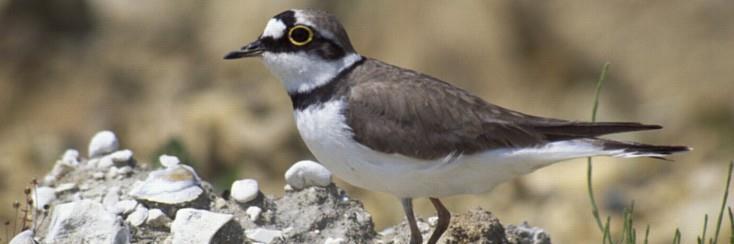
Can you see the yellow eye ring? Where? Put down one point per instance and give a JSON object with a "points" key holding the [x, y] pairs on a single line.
{"points": [[309, 38]]}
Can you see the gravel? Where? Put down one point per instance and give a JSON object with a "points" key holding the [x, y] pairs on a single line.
{"points": [[173, 205]]}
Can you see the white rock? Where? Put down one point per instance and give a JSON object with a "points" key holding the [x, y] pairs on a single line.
{"points": [[112, 173], [65, 187], [70, 157], [253, 212], [98, 175], [433, 221], [156, 218], [68, 162], [263, 235], [25, 237], [169, 161], [85, 221], [220, 203], [244, 190], [125, 171], [174, 185], [332, 240], [49, 179], [43, 196], [197, 226], [121, 157], [307, 173], [105, 162], [125, 207], [138, 217], [102, 143]]}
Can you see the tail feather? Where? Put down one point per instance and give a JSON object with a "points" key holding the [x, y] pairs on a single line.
{"points": [[574, 130], [632, 149]]}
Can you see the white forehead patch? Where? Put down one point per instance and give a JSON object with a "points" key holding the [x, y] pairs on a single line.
{"points": [[275, 29]]}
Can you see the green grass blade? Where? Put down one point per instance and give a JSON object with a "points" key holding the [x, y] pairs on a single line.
{"points": [[676, 236], [723, 203], [731, 225], [602, 77], [647, 233], [594, 207], [606, 235], [628, 232], [702, 238]]}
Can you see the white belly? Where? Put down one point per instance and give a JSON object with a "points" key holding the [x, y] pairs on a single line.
{"points": [[326, 134]]}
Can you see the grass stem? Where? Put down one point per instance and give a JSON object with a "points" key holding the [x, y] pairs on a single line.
{"points": [[594, 207], [723, 203]]}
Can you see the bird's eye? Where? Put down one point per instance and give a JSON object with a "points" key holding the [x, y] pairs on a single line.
{"points": [[300, 35]]}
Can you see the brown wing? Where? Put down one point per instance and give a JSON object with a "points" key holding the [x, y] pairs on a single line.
{"points": [[395, 110]]}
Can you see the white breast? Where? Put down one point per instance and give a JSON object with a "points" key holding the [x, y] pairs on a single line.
{"points": [[326, 134]]}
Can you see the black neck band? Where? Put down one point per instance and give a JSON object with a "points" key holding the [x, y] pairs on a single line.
{"points": [[323, 93]]}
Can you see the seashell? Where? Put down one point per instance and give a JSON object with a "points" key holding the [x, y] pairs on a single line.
{"points": [[174, 185]]}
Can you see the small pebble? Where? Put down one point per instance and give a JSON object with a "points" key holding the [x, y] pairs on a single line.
{"points": [[121, 157], [49, 180], [98, 175], [245, 190], [433, 220], [156, 218], [67, 163], [307, 173], [105, 162], [138, 217], [263, 235], [112, 173], [332, 240], [220, 203], [102, 143], [71, 157], [168, 160], [125, 171], [125, 206], [253, 212], [65, 187]]}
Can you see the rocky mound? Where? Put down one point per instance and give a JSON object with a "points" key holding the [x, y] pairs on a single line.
{"points": [[109, 197]]}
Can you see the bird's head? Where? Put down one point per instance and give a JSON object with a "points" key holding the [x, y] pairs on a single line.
{"points": [[304, 48]]}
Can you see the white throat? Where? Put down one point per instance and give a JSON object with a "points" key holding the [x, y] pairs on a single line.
{"points": [[301, 72]]}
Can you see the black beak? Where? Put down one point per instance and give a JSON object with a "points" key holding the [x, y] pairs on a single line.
{"points": [[254, 49]]}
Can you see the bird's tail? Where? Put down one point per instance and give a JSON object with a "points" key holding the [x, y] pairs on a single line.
{"points": [[632, 149], [590, 147]]}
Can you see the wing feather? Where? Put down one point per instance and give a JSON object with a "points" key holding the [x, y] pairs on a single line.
{"points": [[395, 110]]}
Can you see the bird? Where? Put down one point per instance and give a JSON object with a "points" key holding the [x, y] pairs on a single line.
{"points": [[391, 129]]}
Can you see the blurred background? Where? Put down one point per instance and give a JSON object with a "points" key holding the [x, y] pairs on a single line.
{"points": [[152, 71]]}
